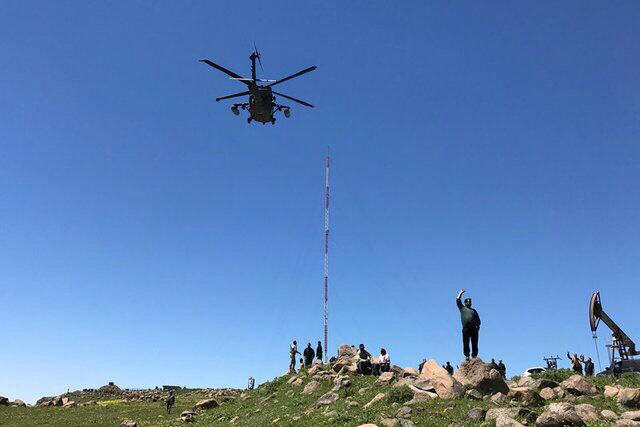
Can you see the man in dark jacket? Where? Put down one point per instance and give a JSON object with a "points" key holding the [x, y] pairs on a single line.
{"points": [[171, 400], [449, 368], [308, 355], [502, 369], [589, 367], [470, 325], [319, 351]]}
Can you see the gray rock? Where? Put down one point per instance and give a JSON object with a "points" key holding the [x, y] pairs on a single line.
{"points": [[578, 385], [559, 415], [404, 412], [406, 423], [19, 403], [526, 396], [498, 398], [515, 412], [327, 398], [473, 394], [129, 423], [476, 414], [587, 412], [311, 387], [205, 404]]}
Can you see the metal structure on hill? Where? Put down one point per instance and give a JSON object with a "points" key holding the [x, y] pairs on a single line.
{"points": [[326, 258], [620, 341]]}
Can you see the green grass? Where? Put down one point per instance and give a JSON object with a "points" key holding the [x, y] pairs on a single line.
{"points": [[279, 400]]}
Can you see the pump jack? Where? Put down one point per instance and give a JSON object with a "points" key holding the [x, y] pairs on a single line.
{"points": [[620, 341]]}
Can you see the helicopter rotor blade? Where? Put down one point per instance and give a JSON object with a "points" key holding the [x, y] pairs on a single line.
{"points": [[233, 96], [299, 73], [293, 99], [258, 54], [224, 70]]}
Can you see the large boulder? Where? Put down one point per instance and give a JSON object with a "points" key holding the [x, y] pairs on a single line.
{"points": [[19, 403], [445, 385], [110, 389], [629, 397], [578, 385], [559, 415], [4, 401], [480, 376], [205, 404]]}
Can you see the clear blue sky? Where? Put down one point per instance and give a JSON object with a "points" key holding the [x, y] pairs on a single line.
{"points": [[148, 236]]}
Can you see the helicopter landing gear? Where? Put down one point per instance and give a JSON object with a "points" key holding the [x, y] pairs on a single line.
{"points": [[273, 121], [249, 119]]}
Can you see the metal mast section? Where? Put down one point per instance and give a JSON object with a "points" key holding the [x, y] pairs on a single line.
{"points": [[326, 260]]}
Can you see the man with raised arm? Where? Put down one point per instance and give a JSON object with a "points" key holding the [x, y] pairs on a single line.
{"points": [[470, 325]]}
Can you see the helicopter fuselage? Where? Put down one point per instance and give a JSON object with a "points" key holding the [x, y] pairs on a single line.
{"points": [[261, 104]]}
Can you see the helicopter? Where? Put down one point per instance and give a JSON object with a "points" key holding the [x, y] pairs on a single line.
{"points": [[262, 104]]}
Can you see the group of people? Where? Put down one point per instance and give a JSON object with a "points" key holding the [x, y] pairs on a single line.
{"points": [[470, 336], [577, 364], [366, 364], [308, 355]]}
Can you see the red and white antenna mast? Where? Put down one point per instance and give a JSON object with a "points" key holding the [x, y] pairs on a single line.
{"points": [[326, 260]]}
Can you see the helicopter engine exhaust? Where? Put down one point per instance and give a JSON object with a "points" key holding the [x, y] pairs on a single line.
{"points": [[235, 110]]}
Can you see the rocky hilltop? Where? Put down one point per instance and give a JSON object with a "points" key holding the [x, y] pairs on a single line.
{"points": [[335, 395]]}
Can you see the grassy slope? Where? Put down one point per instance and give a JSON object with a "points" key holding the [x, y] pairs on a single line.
{"points": [[285, 402]]}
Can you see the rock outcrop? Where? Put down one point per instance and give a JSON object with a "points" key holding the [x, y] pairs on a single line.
{"points": [[477, 375], [446, 386]]}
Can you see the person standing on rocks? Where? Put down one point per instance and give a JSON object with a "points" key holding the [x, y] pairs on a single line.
{"points": [[319, 351], [470, 325], [364, 360], [576, 364], [308, 354], [502, 369], [448, 368], [589, 367], [293, 350]]}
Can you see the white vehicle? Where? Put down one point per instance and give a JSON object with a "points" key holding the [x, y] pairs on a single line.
{"points": [[535, 370]]}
